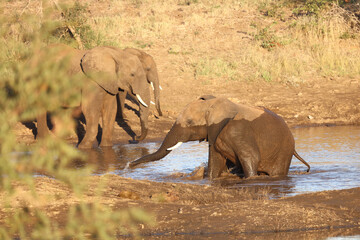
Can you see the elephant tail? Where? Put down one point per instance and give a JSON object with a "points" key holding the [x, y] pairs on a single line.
{"points": [[302, 160]]}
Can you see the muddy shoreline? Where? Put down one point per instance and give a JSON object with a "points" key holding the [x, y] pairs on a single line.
{"points": [[243, 213], [191, 211]]}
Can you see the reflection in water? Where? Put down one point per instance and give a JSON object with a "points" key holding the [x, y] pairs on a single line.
{"points": [[332, 152], [110, 159]]}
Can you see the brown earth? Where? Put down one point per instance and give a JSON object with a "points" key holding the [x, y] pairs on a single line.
{"points": [[188, 211], [201, 211]]}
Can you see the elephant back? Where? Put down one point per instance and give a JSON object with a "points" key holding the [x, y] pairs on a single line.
{"points": [[101, 66], [275, 141]]}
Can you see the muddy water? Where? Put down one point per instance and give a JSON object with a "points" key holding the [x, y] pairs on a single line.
{"points": [[332, 152]]}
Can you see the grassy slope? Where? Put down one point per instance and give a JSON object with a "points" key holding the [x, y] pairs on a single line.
{"points": [[205, 46], [210, 47]]}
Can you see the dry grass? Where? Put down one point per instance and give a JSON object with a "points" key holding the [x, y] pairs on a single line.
{"points": [[234, 40], [228, 39]]}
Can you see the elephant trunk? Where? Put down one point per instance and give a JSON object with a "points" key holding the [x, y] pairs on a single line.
{"points": [[171, 141], [153, 78], [144, 112], [157, 97]]}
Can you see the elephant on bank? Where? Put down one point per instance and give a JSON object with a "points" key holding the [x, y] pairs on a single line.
{"points": [[105, 73], [254, 139]]}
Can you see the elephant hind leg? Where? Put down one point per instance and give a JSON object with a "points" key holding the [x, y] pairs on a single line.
{"points": [[91, 131], [249, 158], [243, 151]]}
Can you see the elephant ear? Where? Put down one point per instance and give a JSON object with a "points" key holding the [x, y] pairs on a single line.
{"points": [[218, 116], [101, 67], [215, 129]]}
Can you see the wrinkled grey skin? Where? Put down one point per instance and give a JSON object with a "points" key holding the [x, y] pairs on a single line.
{"points": [[105, 73], [255, 139]]}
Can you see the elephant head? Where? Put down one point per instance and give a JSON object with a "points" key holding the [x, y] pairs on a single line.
{"points": [[151, 72], [115, 70], [198, 121]]}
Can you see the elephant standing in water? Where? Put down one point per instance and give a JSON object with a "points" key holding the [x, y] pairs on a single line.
{"points": [[254, 139], [107, 72], [115, 71], [60, 52]]}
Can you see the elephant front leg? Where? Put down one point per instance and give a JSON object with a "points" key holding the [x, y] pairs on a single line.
{"points": [[108, 119], [216, 163], [122, 97], [42, 128]]}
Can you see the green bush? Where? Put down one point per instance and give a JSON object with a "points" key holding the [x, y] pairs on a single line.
{"points": [[27, 88], [75, 16], [267, 39], [314, 7]]}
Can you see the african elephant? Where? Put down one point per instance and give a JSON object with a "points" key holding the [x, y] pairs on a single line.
{"points": [[253, 138], [115, 71], [149, 66], [61, 51], [105, 73], [152, 76]]}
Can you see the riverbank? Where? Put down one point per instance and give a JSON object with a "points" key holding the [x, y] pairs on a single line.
{"points": [[188, 211]]}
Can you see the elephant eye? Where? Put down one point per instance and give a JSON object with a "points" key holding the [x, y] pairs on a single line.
{"points": [[132, 74]]}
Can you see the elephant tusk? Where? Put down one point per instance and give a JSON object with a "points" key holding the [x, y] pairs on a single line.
{"points": [[152, 102], [175, 146], [141, 101], [152, 86], [160, 87]]}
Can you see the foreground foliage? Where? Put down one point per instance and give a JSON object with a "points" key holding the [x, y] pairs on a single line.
{"points": [[28, 86]]}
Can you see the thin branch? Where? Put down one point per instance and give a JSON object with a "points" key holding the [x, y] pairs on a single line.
{"points": [[71, 28]]}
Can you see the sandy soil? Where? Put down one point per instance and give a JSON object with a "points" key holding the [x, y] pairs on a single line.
{"points": [[188, 211], [198, 211]]}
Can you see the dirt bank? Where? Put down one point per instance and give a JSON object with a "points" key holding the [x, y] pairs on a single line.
{"points": [[188, 211]]}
